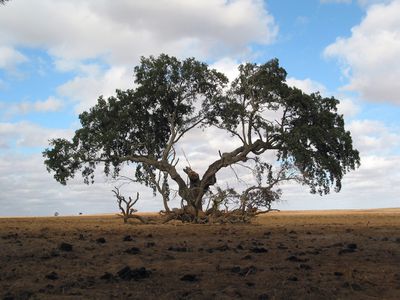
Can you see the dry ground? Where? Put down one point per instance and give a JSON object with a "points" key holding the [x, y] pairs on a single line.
{"points": [[283, 255]]}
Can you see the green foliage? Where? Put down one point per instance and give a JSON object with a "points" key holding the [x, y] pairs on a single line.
{"points": [[305, 130], [138, 123], [141, 126]]}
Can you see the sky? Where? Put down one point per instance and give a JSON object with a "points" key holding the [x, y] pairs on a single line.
{"points": [[58, 56]]}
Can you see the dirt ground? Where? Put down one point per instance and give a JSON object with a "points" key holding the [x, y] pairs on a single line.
{"points": [[283, 255]]}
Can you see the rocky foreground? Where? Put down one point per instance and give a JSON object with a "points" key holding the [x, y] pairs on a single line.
{"points": [[282, 255]]}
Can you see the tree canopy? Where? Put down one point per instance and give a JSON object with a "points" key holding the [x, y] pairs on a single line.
{"points": [[142, 126]]}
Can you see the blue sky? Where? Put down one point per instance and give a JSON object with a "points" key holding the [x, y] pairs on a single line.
{"points": [[57, 57]]}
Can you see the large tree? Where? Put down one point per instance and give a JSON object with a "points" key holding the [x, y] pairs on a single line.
{"points": [[141, 127]]}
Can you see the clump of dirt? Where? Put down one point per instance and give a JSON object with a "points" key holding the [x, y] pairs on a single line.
{"points": [[281, 255]]}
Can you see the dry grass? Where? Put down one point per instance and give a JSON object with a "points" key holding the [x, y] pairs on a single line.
{"points": [[283, 255]]}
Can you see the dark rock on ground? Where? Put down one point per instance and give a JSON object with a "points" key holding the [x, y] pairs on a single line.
{"points": [[52, 276], [133, 250], [127, 273], [178, 249], [107, 276], [296, 259], [189, 278], [65, 247], [258, 250], [127, 238], [101, 240]]}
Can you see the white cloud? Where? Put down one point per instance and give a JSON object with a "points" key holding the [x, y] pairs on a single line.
{"points": [[371, 56], [362, 3], [51, 104], [348, 107], [366, 3], [306, 85], [376, 184], [228, 66], [10, 57], [116, 34], [87, 87], [27, 134], [374, 138], [122, 31]]}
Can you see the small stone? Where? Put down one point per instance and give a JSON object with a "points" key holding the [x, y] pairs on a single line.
{"points": [[352, 246], [235, 269], [282, 247], [127, 238], [101, 240], [107, 276], [133, 250], [305, 267], [222, 248], [258, 250], [52, 276], [178, 249], [189, 278], [65, 247], [127, 273], [296, 259], [263, 297]]}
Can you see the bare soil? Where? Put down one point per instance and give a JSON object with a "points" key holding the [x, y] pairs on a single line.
{"points": [[282, 255]]}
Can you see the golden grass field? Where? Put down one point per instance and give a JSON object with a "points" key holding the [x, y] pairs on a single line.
{"points": [[283, 255]]}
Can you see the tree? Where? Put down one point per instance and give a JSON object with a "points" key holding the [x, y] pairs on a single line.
{"points": [[126, 206], [142, 126]]}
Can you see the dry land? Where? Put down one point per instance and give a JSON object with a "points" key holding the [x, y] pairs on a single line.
{"points": [[282, 255]]}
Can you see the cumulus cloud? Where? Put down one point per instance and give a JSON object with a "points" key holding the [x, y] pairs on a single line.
{"points": [[51, 104], [348, 107], [228, 66], [363, 188], [306, 85], [374, 137], [27, 134], [116, 34], [9, 58], [370, 57], [87, 87], [122, 31]]}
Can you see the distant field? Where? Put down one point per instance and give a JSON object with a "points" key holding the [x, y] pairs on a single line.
{"points": [[351, 254]]}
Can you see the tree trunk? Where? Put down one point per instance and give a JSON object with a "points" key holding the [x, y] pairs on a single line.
{"points": [[165, 202]]}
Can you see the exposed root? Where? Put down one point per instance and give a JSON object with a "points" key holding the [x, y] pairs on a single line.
{"points": [[212, 217], [132, 216]]}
